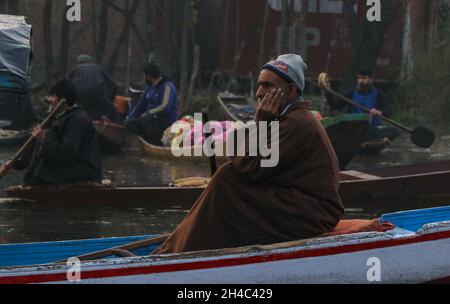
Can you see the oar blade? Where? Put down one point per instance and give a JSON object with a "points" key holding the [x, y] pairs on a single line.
{"points": [[423, 137]]}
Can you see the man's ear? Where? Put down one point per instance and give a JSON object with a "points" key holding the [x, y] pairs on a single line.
{"points": [[292, 90]]}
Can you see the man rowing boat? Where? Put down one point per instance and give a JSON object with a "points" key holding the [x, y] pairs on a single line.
{"points": [[365, 94], [246, 203], [157, 110], [68, 152]]}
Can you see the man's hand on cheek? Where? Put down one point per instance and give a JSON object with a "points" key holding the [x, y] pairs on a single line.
{"points": [[270, 106]]}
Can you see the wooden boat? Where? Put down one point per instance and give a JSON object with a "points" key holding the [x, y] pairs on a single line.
{"points": [[167, 154], [236, 107], [416, 186], [373, 147], [5, 124], [111, 136], [151, 196], [394, 188], [13, 138], [346, 131], [416, 251]]}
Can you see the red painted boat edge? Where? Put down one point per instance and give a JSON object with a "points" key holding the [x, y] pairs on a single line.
{"points": [[153, 269]]}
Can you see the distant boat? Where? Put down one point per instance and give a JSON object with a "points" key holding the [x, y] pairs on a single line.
{"points": [[374, 146], [13, 138], [393, 188], [166, 153], [111, 137], [416, 251]]}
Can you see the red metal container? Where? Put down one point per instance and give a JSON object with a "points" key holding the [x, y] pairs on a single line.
{"points": [[328, 45]]}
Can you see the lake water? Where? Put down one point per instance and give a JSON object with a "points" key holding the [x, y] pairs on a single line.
{"points": [[31, 222]]}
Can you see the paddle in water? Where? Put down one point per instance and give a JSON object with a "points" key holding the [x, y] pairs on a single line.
{"points": [[4, 170], [420, 136]]}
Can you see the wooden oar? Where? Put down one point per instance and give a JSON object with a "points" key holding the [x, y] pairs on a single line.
{"points": [[123, 251], [420, 136], [43, 125]]}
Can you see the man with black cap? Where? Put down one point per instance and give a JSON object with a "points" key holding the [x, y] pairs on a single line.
{"points": [[249, 204], [96, 89], [365, 94], [66, 153]]}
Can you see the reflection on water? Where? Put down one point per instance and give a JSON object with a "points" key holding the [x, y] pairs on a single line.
{"points": [[31, 222]]}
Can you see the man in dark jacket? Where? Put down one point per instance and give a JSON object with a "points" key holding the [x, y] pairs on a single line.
{"points": [[95, 89], [157, 110], [68, 152], [367, 95]]}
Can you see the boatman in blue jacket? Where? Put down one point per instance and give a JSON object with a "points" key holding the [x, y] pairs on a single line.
{"points": [[365, 94], [157, 110]]}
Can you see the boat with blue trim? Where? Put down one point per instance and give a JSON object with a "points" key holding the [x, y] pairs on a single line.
{"points": [[415, 251]]}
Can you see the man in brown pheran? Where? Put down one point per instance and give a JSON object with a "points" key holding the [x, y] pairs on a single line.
{"points": [[247, 204]]}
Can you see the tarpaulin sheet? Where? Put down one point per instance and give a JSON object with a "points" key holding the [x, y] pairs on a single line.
{"points": [[15, 45]]}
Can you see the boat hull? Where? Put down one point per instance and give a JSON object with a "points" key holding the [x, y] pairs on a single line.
{"points": [[397, 256], [165, 153], [416, 191], [339, 266], [111, 137], [151, 196], [346, 133], [15, 140], [394, 188]]}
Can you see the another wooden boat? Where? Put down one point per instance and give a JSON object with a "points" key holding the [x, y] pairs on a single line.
{"points": [[13, 138], [5, 124], [373, 147], [236, 107], [346, 131], [416, 251], [167, 154], [394, 188], [111, 136], [151, 196]]}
